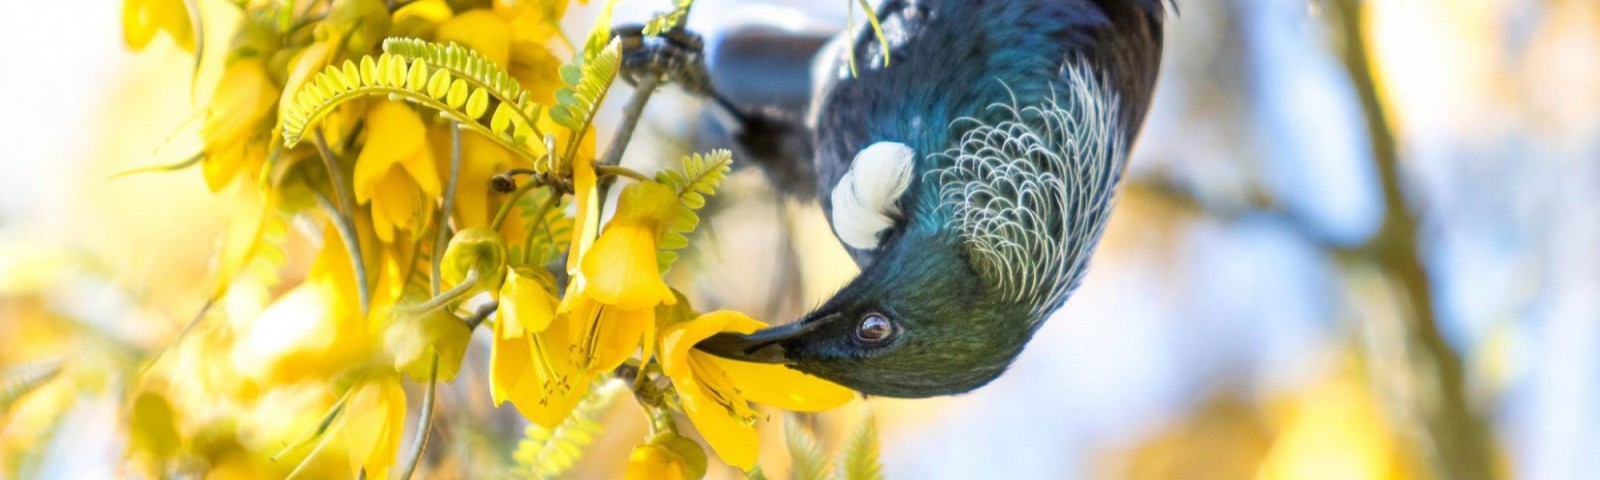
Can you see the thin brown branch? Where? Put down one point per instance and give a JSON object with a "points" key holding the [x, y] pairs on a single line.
{"points": [[1456, 438]]}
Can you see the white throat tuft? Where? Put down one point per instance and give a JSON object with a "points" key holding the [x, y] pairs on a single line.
{"points": [[865, 202]]}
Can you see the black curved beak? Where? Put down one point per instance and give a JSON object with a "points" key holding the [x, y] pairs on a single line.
{"points": [[764, 346]]}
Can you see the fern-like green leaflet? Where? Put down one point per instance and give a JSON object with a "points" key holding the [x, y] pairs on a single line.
{"points": [[453, 80], [697, 176], [667, 21]]}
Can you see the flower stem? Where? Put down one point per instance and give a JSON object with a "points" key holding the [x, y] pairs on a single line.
{"points": [[352, 245], [342, 210], [443, 228], [425, 422], [621, 171], [511, 202]]}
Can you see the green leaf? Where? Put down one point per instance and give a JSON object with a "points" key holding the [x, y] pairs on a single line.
{"points": [[571, 74], [422, 82], [697, 176], [583, 103], [464, 63], [600, 34], [457, 96], [438, 84], [667, 21], [805, 454], [861, 459]]}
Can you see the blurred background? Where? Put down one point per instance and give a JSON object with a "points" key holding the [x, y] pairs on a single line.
{"points": [[1352, 244]]}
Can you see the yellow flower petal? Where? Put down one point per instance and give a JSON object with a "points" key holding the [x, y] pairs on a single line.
{"points": [[606, 334], [397, 204], [243, 97], [373, 422], [782, 387], [141, 19], [678, 340], [419, 18], [653, 462], [587, 219], [621, 269], [526, 305], [650, 204], [509, 359], [726, 423], [536, 374], [479, 30], [244, 94], [395, 136]]}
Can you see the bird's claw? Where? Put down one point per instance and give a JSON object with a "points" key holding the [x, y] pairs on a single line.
{"points": [[676, 56]]}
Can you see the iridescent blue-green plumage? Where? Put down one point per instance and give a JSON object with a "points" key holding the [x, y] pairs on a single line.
{"points": [[1020, 115]]}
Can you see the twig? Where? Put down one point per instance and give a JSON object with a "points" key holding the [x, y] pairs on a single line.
{"points": [[482, 313], [631, 113], [1457, 437], [194, 321]]}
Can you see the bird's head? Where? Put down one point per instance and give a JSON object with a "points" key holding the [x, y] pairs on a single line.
{"points": [[908, 326]]}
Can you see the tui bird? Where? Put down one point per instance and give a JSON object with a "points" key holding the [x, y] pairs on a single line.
{"points": [[970, 176]]}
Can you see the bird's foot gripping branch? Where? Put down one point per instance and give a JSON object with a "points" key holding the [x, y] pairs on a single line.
{"points": [[448, 153]]}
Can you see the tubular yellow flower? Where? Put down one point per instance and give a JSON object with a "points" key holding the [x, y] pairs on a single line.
{"points": [[716, 391], [606, 335], [536, 371], [142, 19], [372, 423], [620, 269], [528, 360], [668, 456], [396, 173], [244, 96], [526, 305]]}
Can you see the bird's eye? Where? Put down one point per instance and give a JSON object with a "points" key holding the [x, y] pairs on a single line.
{"points": [[874, 329]]}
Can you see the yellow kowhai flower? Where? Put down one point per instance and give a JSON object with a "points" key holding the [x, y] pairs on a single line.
{"points": [[243, 98], [395, 171], [620, 268], [370, 426], [668, 456], [619, 284], [479, 30], [312, 330], [142, 19], [530, 363], [716, 392]]}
